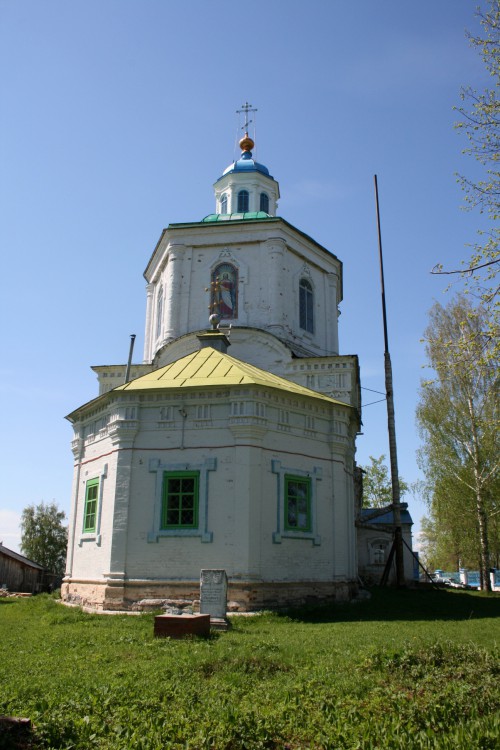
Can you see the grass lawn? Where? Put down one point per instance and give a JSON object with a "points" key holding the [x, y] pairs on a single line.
{"points": [[409, 669]]}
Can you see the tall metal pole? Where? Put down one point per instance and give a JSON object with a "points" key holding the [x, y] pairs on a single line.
{"points": [[391, 422]]}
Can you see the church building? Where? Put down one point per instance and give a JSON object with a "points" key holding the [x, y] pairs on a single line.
{"points": [[232, 445]]}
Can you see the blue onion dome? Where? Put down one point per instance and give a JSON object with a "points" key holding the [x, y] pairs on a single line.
{"points": [[246, 162]]}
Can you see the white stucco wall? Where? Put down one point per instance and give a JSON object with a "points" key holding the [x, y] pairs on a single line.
{"points": [[271, 259], [247, 456]]}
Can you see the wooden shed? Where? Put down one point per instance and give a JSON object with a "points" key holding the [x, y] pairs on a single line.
{"points": [[18, 574]]}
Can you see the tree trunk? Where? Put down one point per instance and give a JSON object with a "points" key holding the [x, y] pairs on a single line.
{"points": [[483, 540], [482, 520]]}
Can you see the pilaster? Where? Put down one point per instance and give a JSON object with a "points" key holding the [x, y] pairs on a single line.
{"points": [[122, 432], [332, 313], [148, 334], [173, 291], [274, 252], [78, 449]]}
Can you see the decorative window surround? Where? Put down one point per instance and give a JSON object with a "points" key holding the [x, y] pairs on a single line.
{"points": [[260, 409], [95, 536], [378, 549], [284, 416], [159, 467], [281, 532], [167, 414], [204, 412]]}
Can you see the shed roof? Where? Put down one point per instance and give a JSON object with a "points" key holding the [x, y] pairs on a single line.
{"points": [[20, 558]]}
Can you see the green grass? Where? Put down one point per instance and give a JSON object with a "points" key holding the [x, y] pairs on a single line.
{"points": [[403, 670]]}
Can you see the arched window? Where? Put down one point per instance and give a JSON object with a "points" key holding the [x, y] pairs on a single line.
{"points": [[159, 312], [223, 204], [225, 290], [243, 201], [264, 202], [306, 306]]}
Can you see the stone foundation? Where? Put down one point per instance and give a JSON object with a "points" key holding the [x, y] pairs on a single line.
{"points": [[242, 596]]}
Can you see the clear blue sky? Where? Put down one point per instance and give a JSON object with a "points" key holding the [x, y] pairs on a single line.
{"points": [[118, 116]]}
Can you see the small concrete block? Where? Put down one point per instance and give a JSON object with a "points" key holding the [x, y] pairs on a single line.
{"points": [[179, 626]]}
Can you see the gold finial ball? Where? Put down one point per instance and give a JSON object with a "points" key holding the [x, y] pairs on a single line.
{"points": [[246, 143]]}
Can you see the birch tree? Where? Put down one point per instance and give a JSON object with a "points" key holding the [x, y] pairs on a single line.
{"points": [[458, 419], [377, 487], [480, 124], [44, 538]]}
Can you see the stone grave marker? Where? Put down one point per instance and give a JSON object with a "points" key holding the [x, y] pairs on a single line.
{"points": [[213, 597]]}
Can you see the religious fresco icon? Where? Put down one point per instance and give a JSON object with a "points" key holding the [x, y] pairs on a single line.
{"points": [[225, 291]]}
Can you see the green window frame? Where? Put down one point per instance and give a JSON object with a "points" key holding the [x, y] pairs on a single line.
{"points": [[298, 503], [180, 500], [90, 510]]}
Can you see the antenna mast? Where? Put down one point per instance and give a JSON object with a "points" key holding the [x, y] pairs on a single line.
{"points": [[397, 546]]}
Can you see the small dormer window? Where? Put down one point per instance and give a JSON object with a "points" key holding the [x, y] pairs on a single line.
{"points": [[243, 201], [306, 306], [264, 202], [223, 204]]}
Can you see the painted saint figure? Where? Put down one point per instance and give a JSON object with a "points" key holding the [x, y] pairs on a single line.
{"points": [[225, 291]]}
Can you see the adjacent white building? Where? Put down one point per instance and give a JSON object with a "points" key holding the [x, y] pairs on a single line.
{"points": [[213, 457]]}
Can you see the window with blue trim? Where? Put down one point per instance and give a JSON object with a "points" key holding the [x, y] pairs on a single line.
{"points": [[243, 201], [264, 202]]}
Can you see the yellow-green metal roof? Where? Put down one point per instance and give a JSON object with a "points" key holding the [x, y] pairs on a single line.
{"points": [[207, 368]]}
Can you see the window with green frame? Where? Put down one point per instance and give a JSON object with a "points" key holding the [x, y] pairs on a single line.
{"points": [[90, 510], [297, 503], [180, 500]]}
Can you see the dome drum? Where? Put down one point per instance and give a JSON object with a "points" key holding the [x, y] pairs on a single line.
{"points": [[246, 186], [239, 192]]}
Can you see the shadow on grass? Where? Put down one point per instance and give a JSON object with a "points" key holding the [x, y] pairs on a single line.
{"points": [[405, 604]]}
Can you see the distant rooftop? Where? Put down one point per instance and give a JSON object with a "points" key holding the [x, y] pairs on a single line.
{"points": [[387, 518]]}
